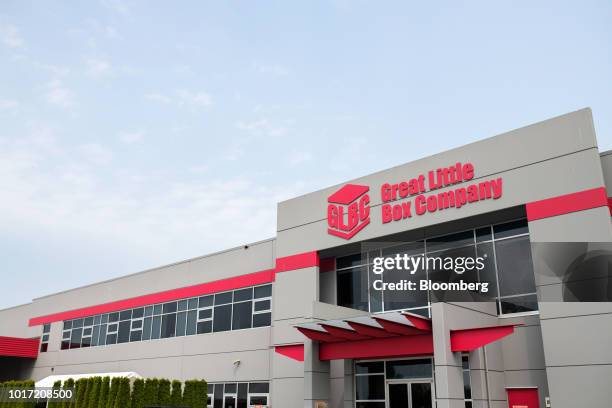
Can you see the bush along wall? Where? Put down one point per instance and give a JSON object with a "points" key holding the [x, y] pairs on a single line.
{"points": [[120, 392]]}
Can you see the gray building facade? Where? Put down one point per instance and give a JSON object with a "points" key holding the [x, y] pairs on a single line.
{"points": [[294, 322]]}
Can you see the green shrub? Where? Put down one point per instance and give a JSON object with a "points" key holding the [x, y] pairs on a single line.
{"points": [[104, 390], [112, 393], [176, 397], [54, 404], [123, 393], [68, 384], [151, 391], [163, 392], [94, 393], [137, 400]]}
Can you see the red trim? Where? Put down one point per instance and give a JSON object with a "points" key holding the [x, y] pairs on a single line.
{"points": [[19, 347], [236, 282], [610, 204], [299, 261], [348, 194], [294, 351], [471, 339], [375, 348], [565, 204], [327, 265]]}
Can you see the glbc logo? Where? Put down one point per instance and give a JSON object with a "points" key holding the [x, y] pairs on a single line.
{"points": [[348, 211]]}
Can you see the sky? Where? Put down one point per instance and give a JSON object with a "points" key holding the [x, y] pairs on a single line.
{"points": [[139, 133]]}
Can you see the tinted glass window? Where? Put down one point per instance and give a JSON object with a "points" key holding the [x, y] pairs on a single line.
{"points": [[370, 367], [223, 298], [146, 328], [370, 387], [181, 323], [192, 316], [263, 291], [205, 314], [125, 315], [223, 318], [243, 294], [420, 368], [262, 305], [259, 388], [352, 288], [156, 327], [262, 319], [450, 241], [170, 307], [168, 328], [241, 317], [348, 261], [138, 313], [204, 327], [124, 332], [511, 228], [514, 266], [88, 321]]}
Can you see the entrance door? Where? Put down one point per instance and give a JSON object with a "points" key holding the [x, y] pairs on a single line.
{"points": [[523, 398], [229, 401], [414, 394]]}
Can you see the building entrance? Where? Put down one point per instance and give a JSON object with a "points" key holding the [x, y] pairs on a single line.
{"points": [[409, 394]]}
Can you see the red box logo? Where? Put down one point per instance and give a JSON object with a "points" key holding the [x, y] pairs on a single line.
{"points": [[348, 211]]}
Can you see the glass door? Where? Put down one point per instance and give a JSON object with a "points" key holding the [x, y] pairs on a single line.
{"points": [[398, 395], [413, 394], [420, 395], [229, 401]]}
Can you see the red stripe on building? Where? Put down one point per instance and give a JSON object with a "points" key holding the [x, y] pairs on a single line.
{"points": [[565, 204], [236, 282], [18, 347], [378, 348], [294, 351], [299, 261]]}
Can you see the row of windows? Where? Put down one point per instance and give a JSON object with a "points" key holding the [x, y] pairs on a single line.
{"points": [[238, 395], [233, 310], [508, 269]]}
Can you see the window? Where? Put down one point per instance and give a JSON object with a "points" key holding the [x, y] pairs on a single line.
{"points": [[44, 340], [233, 310], [467, 383], [508, 269], [239, 395]]}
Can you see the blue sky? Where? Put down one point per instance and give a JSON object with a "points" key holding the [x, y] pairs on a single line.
{"points": [[138, 133]]}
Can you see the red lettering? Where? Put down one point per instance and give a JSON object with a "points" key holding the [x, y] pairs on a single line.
{"points": [[385, 192], [468, 171], [332, 216], [364, 208], [386, 213], [419, 205]]}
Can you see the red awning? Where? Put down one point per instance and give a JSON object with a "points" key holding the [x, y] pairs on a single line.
{"points": [[18, 347], [391, 335]]}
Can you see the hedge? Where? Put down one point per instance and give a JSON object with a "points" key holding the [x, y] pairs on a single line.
{"points": [[102, 392]]}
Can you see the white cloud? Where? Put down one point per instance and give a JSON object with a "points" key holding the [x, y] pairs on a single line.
{"points": [[197, 99], [59, 95], [9, 35], [131, 137], [97, 67], [95, 153], [183, 98], [157, 97], [262, 127], [271, 69], [8, 104], [298, 157]]}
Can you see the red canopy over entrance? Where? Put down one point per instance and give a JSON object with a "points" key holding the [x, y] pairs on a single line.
{"points": [[18, 347], [391, 335]]}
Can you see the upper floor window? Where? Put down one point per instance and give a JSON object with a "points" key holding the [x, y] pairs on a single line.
{"points": [[232, 310], [44, 340], [508, 270]]}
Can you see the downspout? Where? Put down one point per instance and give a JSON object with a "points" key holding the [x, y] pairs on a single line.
{"points": [[486, 370]]}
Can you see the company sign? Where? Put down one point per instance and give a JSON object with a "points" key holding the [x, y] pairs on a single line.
{"points": [[348, 210]]}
